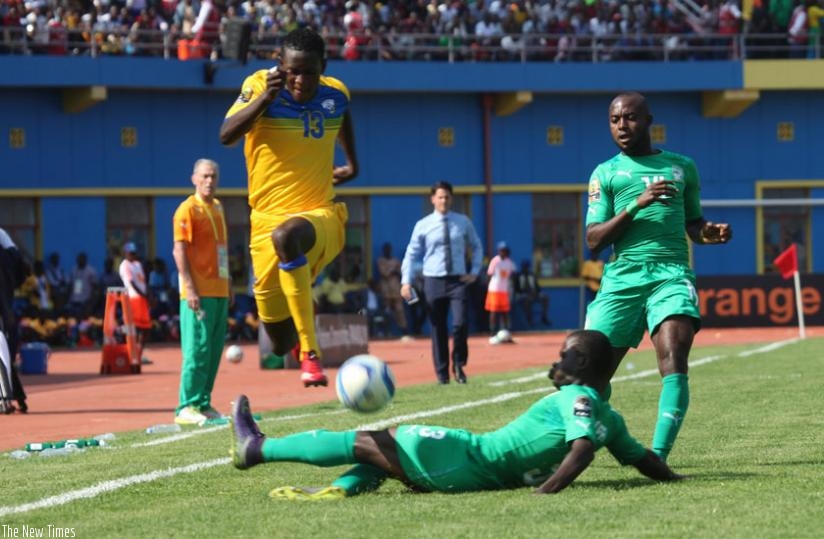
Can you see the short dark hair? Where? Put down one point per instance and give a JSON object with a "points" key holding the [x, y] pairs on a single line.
{"points": [[596, 341], [441, 185], [595, 346], [307, 40]]}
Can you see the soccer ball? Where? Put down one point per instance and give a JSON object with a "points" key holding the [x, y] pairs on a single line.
{"points": [[234, 354], [504, 336], [365, 383]]}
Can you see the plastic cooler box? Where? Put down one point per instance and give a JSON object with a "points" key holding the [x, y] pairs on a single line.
{"points": [[34, 358], [116, 360]]}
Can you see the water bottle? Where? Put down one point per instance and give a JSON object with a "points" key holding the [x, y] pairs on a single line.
{"points": [[163, 428], [104, 439], [38, 446], [60, 444], [76, 442], [19, 454]]}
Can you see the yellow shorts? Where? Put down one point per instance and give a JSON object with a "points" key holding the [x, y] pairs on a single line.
{"points": [[329, 223]]}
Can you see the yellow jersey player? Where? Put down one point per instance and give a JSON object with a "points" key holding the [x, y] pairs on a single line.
{"points": [[292, 116]]}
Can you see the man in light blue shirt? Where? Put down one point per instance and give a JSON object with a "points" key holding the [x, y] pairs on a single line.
{"points": [[441, 241]]}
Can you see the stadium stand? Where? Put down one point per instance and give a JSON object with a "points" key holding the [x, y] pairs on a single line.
{"points": [[438, 30]]}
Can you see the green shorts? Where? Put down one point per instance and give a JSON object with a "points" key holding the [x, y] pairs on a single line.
{"points": [[441, 459], [638, 296]]}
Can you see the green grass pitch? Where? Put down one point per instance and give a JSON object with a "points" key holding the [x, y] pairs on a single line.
{"points": [[752, 445]]}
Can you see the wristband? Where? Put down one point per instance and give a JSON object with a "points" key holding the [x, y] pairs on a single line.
{"points": [[632, 208]]}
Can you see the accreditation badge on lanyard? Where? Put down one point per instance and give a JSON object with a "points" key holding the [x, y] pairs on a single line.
{"points": [[222, 262], [222, 251]]}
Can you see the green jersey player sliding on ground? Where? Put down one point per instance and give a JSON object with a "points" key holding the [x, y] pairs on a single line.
{"points": [[641, 201], [547, 447]]}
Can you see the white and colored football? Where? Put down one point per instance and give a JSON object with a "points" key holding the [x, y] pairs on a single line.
{"points": [[504, 335], [234, 354], [365, 383]]}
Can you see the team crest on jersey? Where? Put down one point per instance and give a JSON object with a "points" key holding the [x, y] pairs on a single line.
{"points": [[677, 173], [582, 407], [245, 95], [328, 105], [594, 190]]}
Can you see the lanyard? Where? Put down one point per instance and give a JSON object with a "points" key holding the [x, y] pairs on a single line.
{"points": [[208, 210]]}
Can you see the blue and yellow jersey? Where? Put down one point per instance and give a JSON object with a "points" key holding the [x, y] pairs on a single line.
{"points": [[290, 149]]}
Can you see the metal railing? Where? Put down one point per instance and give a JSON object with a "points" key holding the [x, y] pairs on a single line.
{"points": [[432, 47]]}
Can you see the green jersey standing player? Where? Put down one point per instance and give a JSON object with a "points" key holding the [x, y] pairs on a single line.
{"points": [[640, 202]]}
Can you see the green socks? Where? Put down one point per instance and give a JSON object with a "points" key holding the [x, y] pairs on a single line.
{"points": [[326, 448], [672, 407], [359, 479], [318, 447]]}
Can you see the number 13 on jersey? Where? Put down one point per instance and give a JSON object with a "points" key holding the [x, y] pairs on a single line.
{"points": [[312, 123]]}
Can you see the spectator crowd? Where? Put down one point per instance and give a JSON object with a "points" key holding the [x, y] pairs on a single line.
{"points": [[66, 307], [559, 30]]}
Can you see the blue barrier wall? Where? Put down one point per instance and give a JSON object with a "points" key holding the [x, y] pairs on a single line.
{"points": [[397, 139], [398, 109], [384, 77]]}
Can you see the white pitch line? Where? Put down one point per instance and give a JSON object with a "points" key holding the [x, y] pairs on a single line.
{"points": [[446, 409], [109, 486], [175, 437], [642, 374], [117, 484], [192, 433], [767, 348]]}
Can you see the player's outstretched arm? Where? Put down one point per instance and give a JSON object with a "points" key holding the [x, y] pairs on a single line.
{"points": [[655, 468], [576, 461]]}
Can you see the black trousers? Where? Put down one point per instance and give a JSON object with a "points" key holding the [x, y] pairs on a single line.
{"points": [[442, 295], [18, 393]]}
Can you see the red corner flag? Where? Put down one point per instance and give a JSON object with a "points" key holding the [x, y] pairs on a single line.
{"points": [[787, 262]]}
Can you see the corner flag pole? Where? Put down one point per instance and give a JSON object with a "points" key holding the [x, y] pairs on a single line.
{"points": [[787, 264], [798, 305]]}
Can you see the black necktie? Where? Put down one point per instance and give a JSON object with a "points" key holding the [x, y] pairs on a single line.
{"points": [[447, 246]]}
